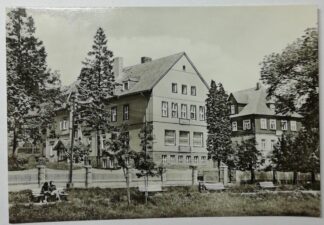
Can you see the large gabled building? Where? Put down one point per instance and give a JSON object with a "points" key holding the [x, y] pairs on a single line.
{"points": [[169, 93], [253, 116]]}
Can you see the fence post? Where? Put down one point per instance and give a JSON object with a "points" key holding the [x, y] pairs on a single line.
{"points": [[224, 174], [88, 175], [194, 178], [41, 175]]}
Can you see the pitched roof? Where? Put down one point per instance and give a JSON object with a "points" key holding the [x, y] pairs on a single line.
{"points": [[144, 76], [256, 103]]}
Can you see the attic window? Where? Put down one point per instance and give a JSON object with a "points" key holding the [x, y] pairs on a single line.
{"points": [[184, 67], [126, 86]]}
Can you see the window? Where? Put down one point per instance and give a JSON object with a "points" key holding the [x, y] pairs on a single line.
{"points": [[234, 126], [197, 139], [172, 158], [164, 109], [183, 111], [273, 143], [184, 67], [263, 144], [169, 137], [114, 114], [174, 88], [184, 138], [196, 159], [193, 112], [193, 90], [111, 163], [246, 124], [232, 109], [188, 159], [180, 158], [104, 163], [126, 86], [284, 124], [164, 158], [113, 136], [174, 110], [293, 125], [184, 89], [125, 112], [64, 124], [263, 124], [273, 124], [102, 139], [203, 159], [201, 113], [51, 150]]}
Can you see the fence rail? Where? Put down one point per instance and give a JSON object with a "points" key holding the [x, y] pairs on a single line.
{"points": [[90, 177]]}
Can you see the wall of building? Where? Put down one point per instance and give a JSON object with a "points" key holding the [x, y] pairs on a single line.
{"points": [[163, 92]]}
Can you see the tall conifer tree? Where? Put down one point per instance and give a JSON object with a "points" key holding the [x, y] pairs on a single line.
{"points": [[218, 125], [31, 86], [96, 85]]}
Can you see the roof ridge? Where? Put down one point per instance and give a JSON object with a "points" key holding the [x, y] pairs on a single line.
{"points": [[153, 60]]}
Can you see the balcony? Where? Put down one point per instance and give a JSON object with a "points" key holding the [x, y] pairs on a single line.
{"points": [[184, 121], [184, 148]]}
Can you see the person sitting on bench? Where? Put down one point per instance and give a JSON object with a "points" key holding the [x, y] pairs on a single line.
{"points": [[45, 191], [54, 191]]}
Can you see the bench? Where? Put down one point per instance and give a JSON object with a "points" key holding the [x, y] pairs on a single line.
{"points": [[150, 188], [37, 196], [211, 186], [267, 185]]}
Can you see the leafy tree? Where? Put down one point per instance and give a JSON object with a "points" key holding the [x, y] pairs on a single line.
{"points": [[308, 141], [143, 161], [118, 149], [218, 125], [248, 157], [292, 78], [31, 85], [282, 158], [282, 153], [96, 85]]}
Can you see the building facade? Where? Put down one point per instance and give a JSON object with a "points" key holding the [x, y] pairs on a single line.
{"points": [[254, 116], [168, 93]]}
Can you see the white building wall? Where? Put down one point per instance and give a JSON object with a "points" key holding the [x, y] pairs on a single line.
{"points": [[163, 92]]}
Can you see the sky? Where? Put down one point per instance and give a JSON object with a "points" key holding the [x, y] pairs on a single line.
{"points": [[225, 44]]}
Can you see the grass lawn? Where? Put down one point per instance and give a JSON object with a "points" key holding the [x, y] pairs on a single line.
{"points": [[96, 203]]}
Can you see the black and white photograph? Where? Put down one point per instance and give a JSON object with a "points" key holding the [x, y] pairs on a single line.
{"points": [[162, 112]]}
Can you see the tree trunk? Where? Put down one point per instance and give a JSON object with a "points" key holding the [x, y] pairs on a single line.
{"points": [[14, 144], [295, 178], [146, 187], [313, 177], [219, 172], [127, 187], [98, 148], [252, 175], [274, 176]]}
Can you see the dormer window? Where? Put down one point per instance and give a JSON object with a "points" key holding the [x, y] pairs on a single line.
{"points": [[126, 86], [232, 109]]}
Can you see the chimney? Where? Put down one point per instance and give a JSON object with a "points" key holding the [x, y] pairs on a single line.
{"points": [[117, 66], [258, 86], [145, 59]]}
